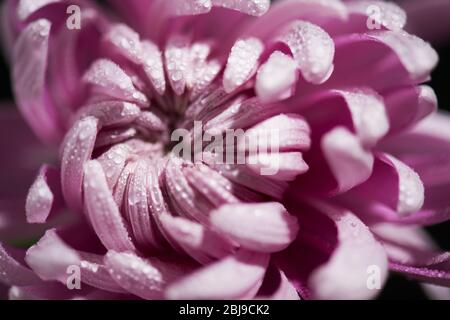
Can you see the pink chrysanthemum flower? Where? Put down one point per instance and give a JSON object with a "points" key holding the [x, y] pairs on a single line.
{"points": [[362, 160]]}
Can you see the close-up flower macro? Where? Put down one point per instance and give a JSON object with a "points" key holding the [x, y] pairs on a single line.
{"points": [[224, 150]]}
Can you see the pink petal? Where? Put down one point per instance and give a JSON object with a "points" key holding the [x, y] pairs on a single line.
{"points": [[283, 166], [407, 106], [103, 212], [242, 63], [265, 227], [177, 58], [110, 112], [50, 257], [418, 57], [113, 161], [108, 79], [29, 72], [137, 207], [236, 277], [146, 278], [345, 275], [153, 66], [251, 7], [312, 48], [26, 8], [41, 197], [291, 131], [276, 78], [244, 177], [197, 240], [77, 149], [400, 198], [276, 286], [349, 162], [282, 12], [12, 271]]}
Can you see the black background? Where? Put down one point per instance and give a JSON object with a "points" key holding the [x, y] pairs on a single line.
{"points": [[398, 287]]}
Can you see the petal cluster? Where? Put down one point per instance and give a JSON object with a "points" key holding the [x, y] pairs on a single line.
{"points": [[306, 220]]}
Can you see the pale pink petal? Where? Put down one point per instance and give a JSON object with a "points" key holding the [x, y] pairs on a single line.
{"points": [[41, 197], [113, 161], [51, 257], [276, 78], [312, 48], [103, 212], [197, 240], [242, 63], [176, 61], [236, 277], [265, 227], [282, 12], [29, 72], [110, 112], [137, 207], [146, 278], [108, 79], [12, 269], [407, 106], [27, 7], [283, 166], [346, 274], [251, 7], [418, 57], [349, 162], [77, 149]]}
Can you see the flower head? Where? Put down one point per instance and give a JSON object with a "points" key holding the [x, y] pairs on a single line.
{"points": [[316, 195]]}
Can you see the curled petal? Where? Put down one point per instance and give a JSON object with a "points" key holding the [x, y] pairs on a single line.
{"points": [[251, 7], [77, 150], [137, 207], [283, 166], [265, 227], [400, 198], [29, 74], [50, 257], [358, 254], [242, 63], [146, 278], [411, 190], [108, 79], [198, 241], [110, 112], [12, 271], [407, 106], [102, 210], [276, 78], [177, 58], [26, 8], [312, 48], [41, 196], [113, 161], [281, 12], [349, 162], [368, 114], [235, 277], [283, 132], [153, 66], [418, 57]]}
